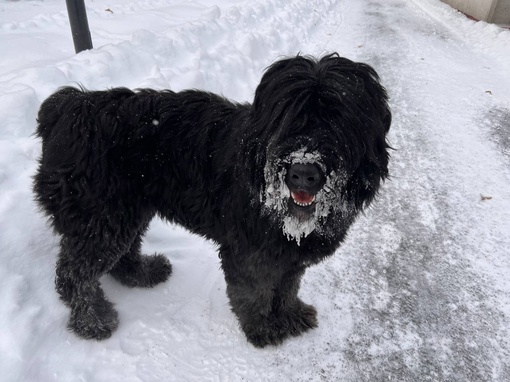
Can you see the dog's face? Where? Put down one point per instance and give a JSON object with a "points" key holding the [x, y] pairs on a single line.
{"points": [[319, 132], [301, 192]]}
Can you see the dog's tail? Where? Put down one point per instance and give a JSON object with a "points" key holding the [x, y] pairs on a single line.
{"points": [[52, 110]]}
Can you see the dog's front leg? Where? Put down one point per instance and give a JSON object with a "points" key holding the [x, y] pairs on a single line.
{"points": [[297, 316], [265, 301]]}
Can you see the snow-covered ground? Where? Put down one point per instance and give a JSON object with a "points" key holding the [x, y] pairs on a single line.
{"points": [[420, 291]]}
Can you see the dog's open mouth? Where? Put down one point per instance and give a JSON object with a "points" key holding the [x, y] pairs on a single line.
{"points": [[304, 181], [302, 204], [302, 198]]}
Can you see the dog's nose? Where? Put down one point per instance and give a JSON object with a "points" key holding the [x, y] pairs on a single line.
{"points": [[306, 176]]}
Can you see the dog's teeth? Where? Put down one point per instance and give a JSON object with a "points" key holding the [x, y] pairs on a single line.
{"points": [[303, 204]]}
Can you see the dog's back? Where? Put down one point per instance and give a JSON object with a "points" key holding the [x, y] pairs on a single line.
{"points": [[137, 149]]}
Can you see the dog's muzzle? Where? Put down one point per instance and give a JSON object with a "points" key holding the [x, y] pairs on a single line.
{"points": [[304, 181], [301, 192]]}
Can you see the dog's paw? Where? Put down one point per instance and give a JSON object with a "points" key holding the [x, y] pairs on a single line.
{"points": [[94, 321], [151, 270], [302, 319], [155, 270], [264, 337], [273, 330]]}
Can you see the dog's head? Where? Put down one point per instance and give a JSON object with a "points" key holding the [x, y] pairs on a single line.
{"points": [[317, 137]]}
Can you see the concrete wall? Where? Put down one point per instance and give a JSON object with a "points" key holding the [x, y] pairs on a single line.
{"points": [[502, 13], [493, 11]]}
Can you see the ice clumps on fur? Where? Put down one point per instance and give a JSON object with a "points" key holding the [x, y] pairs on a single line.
{"points": [[276, 194]]}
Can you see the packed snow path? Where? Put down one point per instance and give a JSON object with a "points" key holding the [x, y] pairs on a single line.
{"points": [[420, 291]]}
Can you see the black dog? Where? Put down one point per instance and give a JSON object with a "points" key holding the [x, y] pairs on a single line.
{"points": [[275, 184]]}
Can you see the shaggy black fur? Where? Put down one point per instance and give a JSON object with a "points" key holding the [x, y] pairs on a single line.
{"points": [[275, 184]]}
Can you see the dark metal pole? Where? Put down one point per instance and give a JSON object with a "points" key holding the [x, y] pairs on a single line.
{"points": [[79, 25]]}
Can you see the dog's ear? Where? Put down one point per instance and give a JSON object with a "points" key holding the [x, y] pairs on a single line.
{"points": [[387, 118], [282, 79], [268, 85], [372, 169], [373, 165], [364, 182]]}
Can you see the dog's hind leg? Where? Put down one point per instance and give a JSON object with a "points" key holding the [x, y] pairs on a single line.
{"points": [[136, 270], [81, 262]]}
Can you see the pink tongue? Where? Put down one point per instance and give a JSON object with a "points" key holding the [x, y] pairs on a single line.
{"points": [[302, 197]]}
